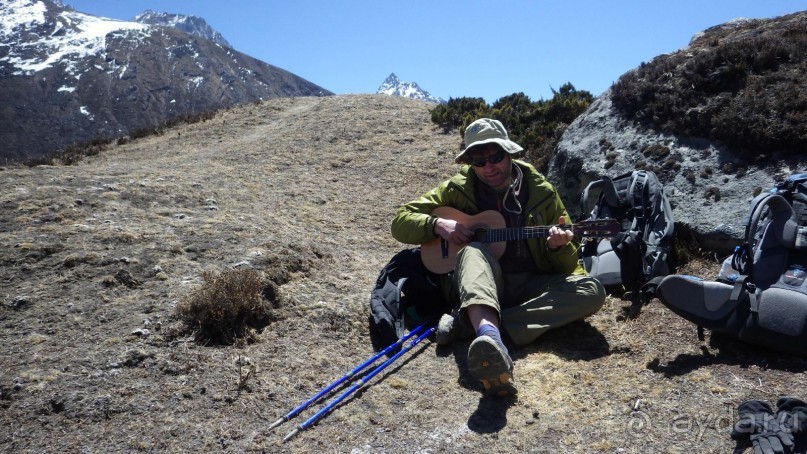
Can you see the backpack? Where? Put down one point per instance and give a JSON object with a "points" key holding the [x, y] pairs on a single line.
{"points": [[642, 250], [760, 294], [405, 295]]}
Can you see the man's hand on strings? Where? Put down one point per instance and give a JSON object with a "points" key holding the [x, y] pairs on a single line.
{"points": [[558, 235]]}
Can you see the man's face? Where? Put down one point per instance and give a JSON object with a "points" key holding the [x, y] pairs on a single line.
{"points": [[492, 173]]}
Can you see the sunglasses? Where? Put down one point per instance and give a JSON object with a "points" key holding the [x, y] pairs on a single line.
{"points": [[493, 159]]}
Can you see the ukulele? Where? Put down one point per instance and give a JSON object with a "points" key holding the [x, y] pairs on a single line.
{"points": [[489, 227]]}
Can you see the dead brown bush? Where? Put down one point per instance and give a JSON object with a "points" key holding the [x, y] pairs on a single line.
{"points": [[227, 307]]}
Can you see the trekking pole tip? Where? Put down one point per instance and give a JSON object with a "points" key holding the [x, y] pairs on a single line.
{"points": [[290, 435], [276, 423]]}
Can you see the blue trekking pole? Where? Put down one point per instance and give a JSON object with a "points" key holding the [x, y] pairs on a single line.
{"points": [[345, 378], [355, 386]]}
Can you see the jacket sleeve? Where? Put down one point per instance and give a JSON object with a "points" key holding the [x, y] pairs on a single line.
{"points": [[413, 223]]}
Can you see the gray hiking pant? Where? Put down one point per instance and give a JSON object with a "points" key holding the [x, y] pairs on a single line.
{"points": [[528, 303]]}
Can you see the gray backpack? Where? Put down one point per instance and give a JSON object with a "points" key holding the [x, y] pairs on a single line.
{"points": [[642, 250], [760, 295]]}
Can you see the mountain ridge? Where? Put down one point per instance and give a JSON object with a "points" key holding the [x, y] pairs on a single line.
{"points": [[192, 25]]}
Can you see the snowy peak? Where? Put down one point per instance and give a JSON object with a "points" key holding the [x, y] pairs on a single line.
{"points": [[393, 86], [192, 25], [392, 81]]}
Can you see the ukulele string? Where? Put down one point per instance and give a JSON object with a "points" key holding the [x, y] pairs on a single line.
{"points": [[514, 233]]}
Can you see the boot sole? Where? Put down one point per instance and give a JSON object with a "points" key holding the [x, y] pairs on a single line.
{"points": [[491, 366]]}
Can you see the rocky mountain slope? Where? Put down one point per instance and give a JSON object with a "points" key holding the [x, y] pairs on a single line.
{"points": [[68, 77], [94, 259], [718, 121]]}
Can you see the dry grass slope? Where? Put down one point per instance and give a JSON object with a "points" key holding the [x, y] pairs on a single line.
{"points": [[95, 257]]}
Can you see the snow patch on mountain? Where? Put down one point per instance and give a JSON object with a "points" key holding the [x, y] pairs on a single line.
{"points": [[74, 37], [25, 14]]}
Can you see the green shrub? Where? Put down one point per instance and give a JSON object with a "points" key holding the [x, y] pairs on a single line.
{"points": [[71, 155], [535, 125], [455, 113]]}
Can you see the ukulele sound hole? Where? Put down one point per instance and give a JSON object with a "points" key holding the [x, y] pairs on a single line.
{"points": [[481, 235]]}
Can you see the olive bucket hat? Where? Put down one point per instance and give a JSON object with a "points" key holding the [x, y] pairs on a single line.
{"points": [[486, 130]]}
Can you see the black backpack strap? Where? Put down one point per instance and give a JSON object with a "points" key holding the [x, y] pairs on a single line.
{"points": [[743, 258], [773, 208], [648, 290], [744, 288], [658, 210], [638, 194], [386, 323], [643, 296], [630, 250]]}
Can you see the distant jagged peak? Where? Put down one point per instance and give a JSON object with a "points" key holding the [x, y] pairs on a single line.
{"points": [[392, 80], [192, 25], [393, 86]]}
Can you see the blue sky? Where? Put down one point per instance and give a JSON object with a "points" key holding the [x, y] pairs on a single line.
{"points": [[474, 48]]}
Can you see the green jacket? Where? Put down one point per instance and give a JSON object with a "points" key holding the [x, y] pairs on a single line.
{"points": [[413, 223]]}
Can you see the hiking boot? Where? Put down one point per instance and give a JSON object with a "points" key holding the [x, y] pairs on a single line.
{"points": [[489, 363], [452, 327]]}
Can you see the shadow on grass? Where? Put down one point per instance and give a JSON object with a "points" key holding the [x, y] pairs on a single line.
{"points": [[577, 341], [490, 415], [732, 352]]}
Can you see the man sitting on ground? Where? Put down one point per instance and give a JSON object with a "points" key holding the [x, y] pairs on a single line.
{"points": [[536, 285]]}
